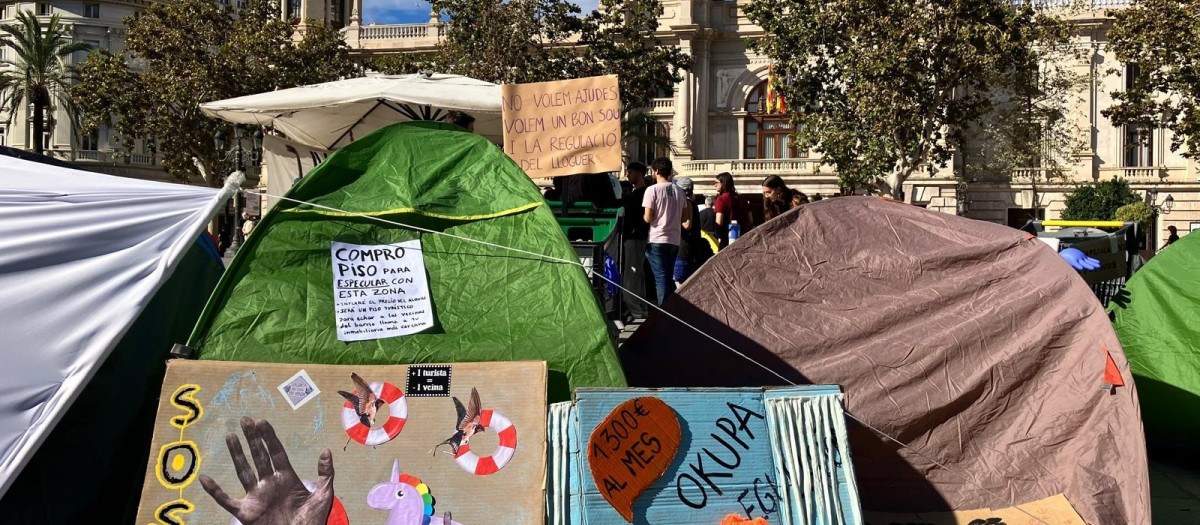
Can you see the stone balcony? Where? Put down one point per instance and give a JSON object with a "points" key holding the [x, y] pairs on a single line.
{"points": [[1133, 174], [394, 37]]}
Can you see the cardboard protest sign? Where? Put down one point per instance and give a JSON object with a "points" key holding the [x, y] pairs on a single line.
{"points": [[631, 449], [380, 291], [1108, 251], [728, 461], [565, 127], [323, 444], [1055, 510]]}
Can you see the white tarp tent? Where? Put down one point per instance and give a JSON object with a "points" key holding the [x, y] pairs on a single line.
{"points": [[330, 115], [81, 254]]}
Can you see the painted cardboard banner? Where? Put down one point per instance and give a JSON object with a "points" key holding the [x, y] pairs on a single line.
{"points": [[1055, 510], [728, 462], [566, 127], [324, 444], [631, 449]]}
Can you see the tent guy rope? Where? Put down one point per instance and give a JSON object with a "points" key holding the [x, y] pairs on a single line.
{"points": [[549, 258]]}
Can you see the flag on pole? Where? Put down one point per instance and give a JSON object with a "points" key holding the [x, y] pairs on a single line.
{"points": [[775, 103]]}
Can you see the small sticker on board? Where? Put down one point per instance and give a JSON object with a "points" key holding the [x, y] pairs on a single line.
{"points": [[299, 389], [428, 381]]}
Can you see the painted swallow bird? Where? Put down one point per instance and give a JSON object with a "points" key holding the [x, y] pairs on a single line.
{"points": [[467, 422], [364, 400]]}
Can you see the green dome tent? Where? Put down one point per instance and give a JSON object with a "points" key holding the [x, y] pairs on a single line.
{"points": [[1156, 320], [275, 302]]}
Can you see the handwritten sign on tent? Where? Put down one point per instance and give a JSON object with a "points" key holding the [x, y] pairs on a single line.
{"points": [[566, 127], [631, 449], [231, 441], [380, 291]]}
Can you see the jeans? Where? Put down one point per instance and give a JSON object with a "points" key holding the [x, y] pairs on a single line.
{"points": [[662, 264]]}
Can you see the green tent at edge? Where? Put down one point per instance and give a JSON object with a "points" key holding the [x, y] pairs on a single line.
{"points": [[275, 302], [1158, 322]]}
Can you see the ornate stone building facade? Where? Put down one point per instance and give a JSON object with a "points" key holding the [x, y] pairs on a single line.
{"points": [[717, 122], [99, 24]]}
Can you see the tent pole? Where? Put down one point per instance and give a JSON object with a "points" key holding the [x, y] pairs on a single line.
{"points": [[378, 102]]}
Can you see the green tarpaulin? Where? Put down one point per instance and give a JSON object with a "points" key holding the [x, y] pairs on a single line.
{"points": [[1158, 321], [275, 303]]}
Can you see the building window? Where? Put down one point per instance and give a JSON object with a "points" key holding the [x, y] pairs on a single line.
{"points": [[90, 141], [1132, 72], [651, 144], [1139, 146], [43, 9], [768, 135], [293, 9], [3, 137], [91, 10]]}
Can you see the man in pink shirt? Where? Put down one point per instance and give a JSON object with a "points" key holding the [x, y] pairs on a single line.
{"points": [[665, 211]]}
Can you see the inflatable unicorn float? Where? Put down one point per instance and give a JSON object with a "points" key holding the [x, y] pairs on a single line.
{"points": [[408, 500]]}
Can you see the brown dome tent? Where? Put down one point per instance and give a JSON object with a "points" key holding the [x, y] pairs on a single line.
{"points": [[971, 342]]}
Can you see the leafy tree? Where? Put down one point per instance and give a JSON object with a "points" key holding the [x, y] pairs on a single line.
{"points": [[399, 63], [183, 53], [40, 74], [885, 88], [1159, 37], [1138, 212], [1100, 201], [1029, 137]]}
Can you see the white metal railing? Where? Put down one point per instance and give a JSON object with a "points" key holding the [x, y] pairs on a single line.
{"points": [[396, 32]]}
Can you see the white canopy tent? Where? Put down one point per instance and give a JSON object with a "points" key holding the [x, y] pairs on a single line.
{"points": [[81, 254], [328, 116]]}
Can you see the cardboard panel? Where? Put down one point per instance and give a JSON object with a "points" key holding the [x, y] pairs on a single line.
{"points": [[380, 459], [565, 127], [727, 462]]}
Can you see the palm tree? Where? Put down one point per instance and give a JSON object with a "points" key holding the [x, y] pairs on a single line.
{"points": [[40, 72]]}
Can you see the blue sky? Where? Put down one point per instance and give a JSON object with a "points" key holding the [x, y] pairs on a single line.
{"points": [[415, 11]]}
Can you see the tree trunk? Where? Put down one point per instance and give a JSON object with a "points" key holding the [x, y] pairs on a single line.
{"points": [[39, 122]]}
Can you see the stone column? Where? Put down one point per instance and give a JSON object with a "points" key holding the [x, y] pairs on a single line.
{"points": [[703, 89], [681, 132]]}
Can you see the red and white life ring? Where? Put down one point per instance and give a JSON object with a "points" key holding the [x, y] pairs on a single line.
{"points": [[398, 414], [507, 434]]}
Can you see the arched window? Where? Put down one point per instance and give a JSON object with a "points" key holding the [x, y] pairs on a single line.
{"points": [[767, 134]]}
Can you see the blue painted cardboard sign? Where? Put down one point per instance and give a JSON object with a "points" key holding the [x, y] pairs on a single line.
{"points": [[728, 462]]}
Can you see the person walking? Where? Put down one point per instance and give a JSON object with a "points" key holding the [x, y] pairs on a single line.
{"points": [[635, 232], [666, 211]]}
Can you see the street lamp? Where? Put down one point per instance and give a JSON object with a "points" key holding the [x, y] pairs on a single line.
{"points": [[238, 156], [1152, 200]]}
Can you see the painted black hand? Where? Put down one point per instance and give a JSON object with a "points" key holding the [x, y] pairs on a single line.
{"points": [[276, 496]]}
